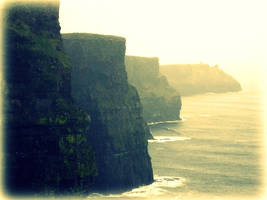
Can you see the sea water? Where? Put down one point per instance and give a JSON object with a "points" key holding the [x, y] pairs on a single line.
{"points": [[215, 152]]}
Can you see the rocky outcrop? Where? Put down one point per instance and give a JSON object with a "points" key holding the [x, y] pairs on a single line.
{"points": [[46, 145], [190, 79], [117, 131], [160, 101]]}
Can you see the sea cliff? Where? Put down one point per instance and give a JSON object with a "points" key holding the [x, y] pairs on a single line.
{"points": [[190, 79], [160, 101], [118, 131], [46, 145]]}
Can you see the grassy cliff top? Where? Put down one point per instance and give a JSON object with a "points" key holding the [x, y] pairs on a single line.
{"points": [[92, 36]]}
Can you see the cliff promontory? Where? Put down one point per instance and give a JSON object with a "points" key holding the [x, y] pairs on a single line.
{"points": [[190, 79], [118, 131], [160, 101], [46, 144]]}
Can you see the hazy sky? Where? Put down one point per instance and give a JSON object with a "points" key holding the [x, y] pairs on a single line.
{"points": [[230, 33]]}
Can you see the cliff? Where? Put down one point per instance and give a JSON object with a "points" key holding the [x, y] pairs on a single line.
{"points": [[118, 131], [46, 147], [191, 79], [160, 101]]}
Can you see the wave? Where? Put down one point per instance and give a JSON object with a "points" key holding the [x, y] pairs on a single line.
{"points": [[168, 181], [164, 122], [163, 139], [156, 189]]}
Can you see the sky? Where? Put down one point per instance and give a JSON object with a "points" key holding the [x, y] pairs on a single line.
{"points": [[230, 33]]}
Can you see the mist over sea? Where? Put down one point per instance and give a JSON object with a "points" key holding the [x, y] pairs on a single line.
{"points": [[215, 152]]}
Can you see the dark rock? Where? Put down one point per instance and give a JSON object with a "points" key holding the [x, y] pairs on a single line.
{"points": [[160, 101], [118, 131], [46, 145]]}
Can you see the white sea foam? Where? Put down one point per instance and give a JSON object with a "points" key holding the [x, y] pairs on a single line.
{"points": [[164, 122], [182, 119], [156, 189], [168, 181], [162, 139]]}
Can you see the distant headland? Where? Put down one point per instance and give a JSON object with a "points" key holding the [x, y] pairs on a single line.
{"points": [[190, 79]]}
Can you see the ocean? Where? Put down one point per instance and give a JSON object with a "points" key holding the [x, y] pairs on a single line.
{"points": [[214, 152]]}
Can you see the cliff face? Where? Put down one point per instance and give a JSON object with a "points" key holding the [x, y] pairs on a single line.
{"points": [[160, 101], [117, 132], [46, 145], [191, 79]]}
